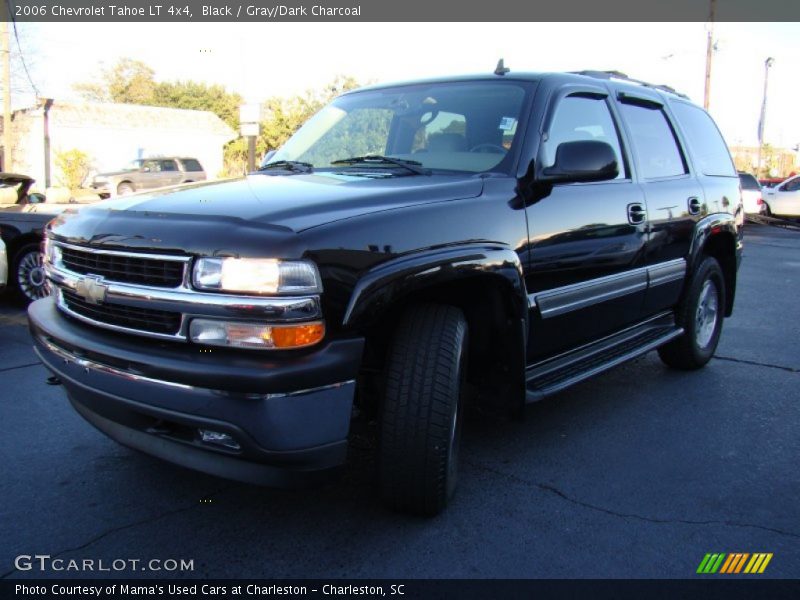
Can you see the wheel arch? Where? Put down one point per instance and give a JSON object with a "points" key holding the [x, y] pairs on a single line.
{"points": [[719, 237], [485, 282]]}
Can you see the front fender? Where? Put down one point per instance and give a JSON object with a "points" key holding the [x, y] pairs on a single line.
{"points": [[376, 291]]}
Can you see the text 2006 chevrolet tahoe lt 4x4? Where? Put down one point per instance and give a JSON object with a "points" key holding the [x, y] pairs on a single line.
{"points": [[518, 231]]}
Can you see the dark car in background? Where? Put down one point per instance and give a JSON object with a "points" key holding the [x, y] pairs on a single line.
{"points": [[23, 216], [147, 174]]}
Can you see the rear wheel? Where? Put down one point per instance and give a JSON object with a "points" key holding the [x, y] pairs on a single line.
{"points": [[29, 276], [421, 414], [700, 314], [125, 188]]}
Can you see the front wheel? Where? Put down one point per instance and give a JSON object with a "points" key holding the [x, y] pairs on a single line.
{"points": [[700, 314], [29, 276], [421, 413]]}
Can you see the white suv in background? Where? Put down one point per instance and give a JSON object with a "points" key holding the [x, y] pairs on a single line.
{"points": [[784, 199]]}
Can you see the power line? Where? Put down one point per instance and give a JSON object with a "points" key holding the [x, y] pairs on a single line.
{"points": [[19, 46]]}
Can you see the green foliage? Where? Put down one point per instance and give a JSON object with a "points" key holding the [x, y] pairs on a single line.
{"points": [[74, 166], [128, 81], [132, 82], [192, 95]]}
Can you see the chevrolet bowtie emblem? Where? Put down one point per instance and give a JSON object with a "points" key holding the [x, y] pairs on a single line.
{"points": [[91, 289]]}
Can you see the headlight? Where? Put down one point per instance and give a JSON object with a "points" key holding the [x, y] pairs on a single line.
{"points": [[257, 276]]}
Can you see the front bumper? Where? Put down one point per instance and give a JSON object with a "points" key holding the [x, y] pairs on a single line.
{"points": [[289, 413]]}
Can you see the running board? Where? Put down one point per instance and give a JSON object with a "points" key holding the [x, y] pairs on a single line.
{"points": [[560, 372]]}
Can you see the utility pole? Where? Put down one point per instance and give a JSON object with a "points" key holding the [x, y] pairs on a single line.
{"points": [[709, 55], [6, 96], [762, 121]]}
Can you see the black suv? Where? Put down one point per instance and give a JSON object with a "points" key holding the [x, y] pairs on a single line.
{"points": [[520, 232]]}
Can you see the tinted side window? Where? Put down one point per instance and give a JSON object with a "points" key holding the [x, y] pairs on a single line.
{"points": [[654, 141], [582, 118], [168, 165], [708, 148], [792, 185], [190, 164]]}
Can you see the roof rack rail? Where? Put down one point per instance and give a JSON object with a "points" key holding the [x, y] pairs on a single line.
{"points": [[623, 77]]}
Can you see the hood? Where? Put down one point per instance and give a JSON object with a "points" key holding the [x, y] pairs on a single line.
{"points": [[189, 217]]}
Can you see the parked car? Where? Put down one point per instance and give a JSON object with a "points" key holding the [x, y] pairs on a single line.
{"points": [[3, 265], [23, 216], [520, 232], [751, 194], [784, 199], [147, 174]]}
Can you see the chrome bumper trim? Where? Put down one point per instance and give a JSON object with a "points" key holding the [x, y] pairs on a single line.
{"points": [[91, 365]]}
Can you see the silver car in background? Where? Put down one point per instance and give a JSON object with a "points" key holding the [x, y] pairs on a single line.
{"points": [[147, 174]]}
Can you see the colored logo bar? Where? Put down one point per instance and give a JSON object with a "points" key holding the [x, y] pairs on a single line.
{"points": [[734, 562]]}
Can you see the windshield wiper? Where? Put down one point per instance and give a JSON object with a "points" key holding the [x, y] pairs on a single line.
{"points": [[295, 166], [377, 159]]}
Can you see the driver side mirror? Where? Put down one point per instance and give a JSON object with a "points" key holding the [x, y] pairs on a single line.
{"points": [[581, 161], [36, 198]]}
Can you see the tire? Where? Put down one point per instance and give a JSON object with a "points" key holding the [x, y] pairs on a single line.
{"points": [[29, 277], [421, 414], [766, 210], [125, 188], [700, 313]]}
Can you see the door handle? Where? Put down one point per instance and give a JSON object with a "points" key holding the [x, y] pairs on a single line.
{"points": [[694, 205], [636, 214]]}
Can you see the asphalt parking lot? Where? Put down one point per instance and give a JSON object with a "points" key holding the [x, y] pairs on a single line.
{"points": [[637, 473]]}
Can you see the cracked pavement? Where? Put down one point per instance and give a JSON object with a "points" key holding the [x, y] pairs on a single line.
{"points": [[636, 473]]}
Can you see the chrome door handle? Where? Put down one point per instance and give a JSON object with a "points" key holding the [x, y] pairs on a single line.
{"points": [[636, 214]]}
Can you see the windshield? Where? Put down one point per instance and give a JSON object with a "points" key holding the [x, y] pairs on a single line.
{"points": [[467, 126]]}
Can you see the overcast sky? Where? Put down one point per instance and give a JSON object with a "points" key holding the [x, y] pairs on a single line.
{"points": [[260, 60]]}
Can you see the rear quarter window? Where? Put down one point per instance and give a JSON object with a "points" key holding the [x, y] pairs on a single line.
{"points": [[709, 151], [190, 164]]}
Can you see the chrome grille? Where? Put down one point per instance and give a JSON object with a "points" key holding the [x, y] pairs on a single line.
{"points": [[128, 317], [124, 267]]}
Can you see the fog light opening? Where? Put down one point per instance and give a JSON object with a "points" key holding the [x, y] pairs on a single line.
{"points": [[217, 438]]}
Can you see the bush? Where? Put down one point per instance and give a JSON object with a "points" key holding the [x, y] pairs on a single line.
{"points": [[74, 166]]}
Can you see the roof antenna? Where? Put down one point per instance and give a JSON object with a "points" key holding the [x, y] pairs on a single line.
{"points": [[501, 69]]}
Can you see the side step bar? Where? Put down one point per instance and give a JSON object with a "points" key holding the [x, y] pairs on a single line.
{"points": [[555, 374]]}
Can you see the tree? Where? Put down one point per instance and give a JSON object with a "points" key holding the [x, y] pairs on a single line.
{"points": [[131, 81], [193, 95], [128, 81]]}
